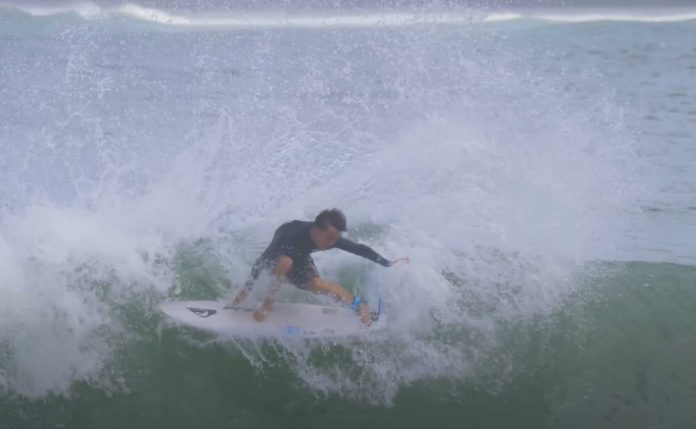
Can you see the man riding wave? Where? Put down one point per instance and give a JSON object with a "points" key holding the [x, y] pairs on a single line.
{"points": [[287, 257]]}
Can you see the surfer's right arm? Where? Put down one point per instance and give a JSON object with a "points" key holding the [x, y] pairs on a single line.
{"points": [[280, 272]]}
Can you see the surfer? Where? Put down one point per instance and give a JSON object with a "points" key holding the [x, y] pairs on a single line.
{"points": [[288, 258]]}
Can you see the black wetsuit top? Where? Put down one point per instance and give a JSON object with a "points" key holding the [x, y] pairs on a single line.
{"points": [[293, 239]]}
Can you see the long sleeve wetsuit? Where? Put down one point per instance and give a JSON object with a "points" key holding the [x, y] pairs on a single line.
{"points": [[293, 239]]}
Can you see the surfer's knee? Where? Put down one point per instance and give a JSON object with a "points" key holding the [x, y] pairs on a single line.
{"points": [[282, 266]]}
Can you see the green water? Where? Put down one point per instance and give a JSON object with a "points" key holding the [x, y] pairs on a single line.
{"points": [[618, 353]]}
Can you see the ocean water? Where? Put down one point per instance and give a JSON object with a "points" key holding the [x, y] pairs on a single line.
{"points": [[537, 167]]}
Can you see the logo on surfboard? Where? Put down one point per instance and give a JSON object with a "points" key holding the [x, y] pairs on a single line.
{"points": [[202, 312]]}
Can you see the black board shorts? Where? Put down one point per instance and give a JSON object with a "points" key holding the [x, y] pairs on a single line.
{"points": [[302, 272]]}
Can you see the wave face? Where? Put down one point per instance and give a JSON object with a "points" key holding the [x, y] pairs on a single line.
{"points": [[619, 349], [520, 167]]}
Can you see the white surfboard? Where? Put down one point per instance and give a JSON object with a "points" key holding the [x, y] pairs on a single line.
{"points": [[285, 320]]}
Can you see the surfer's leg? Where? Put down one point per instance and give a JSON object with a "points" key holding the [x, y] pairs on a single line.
{"points": [[305, 275], [280, 271], [320, 286], [256, 269]]}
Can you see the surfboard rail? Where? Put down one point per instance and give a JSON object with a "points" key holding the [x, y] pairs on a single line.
{"points": [[286, 319]]}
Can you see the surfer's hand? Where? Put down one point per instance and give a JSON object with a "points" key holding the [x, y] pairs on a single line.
{"points": [[241, 296], [396, 261]]}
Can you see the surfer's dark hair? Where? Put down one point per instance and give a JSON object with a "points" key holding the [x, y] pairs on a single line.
{"points": [[333, 217]]}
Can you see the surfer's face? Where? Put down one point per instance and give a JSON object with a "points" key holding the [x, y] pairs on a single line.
{"points": [[325, 238]]}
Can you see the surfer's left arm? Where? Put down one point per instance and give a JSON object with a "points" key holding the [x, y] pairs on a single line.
{"points": [[366, 252]]}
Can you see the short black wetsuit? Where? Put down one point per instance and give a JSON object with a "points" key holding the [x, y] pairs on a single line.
{"points": [[293, 239]]}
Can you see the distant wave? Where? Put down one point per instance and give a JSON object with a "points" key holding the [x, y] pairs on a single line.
{"points": [[91, 11], [593, 17], [280, 20], [246, 19], [85, 10]]}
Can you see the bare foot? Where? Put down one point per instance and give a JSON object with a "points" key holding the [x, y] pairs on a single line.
{"points": [[260, 315]]}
